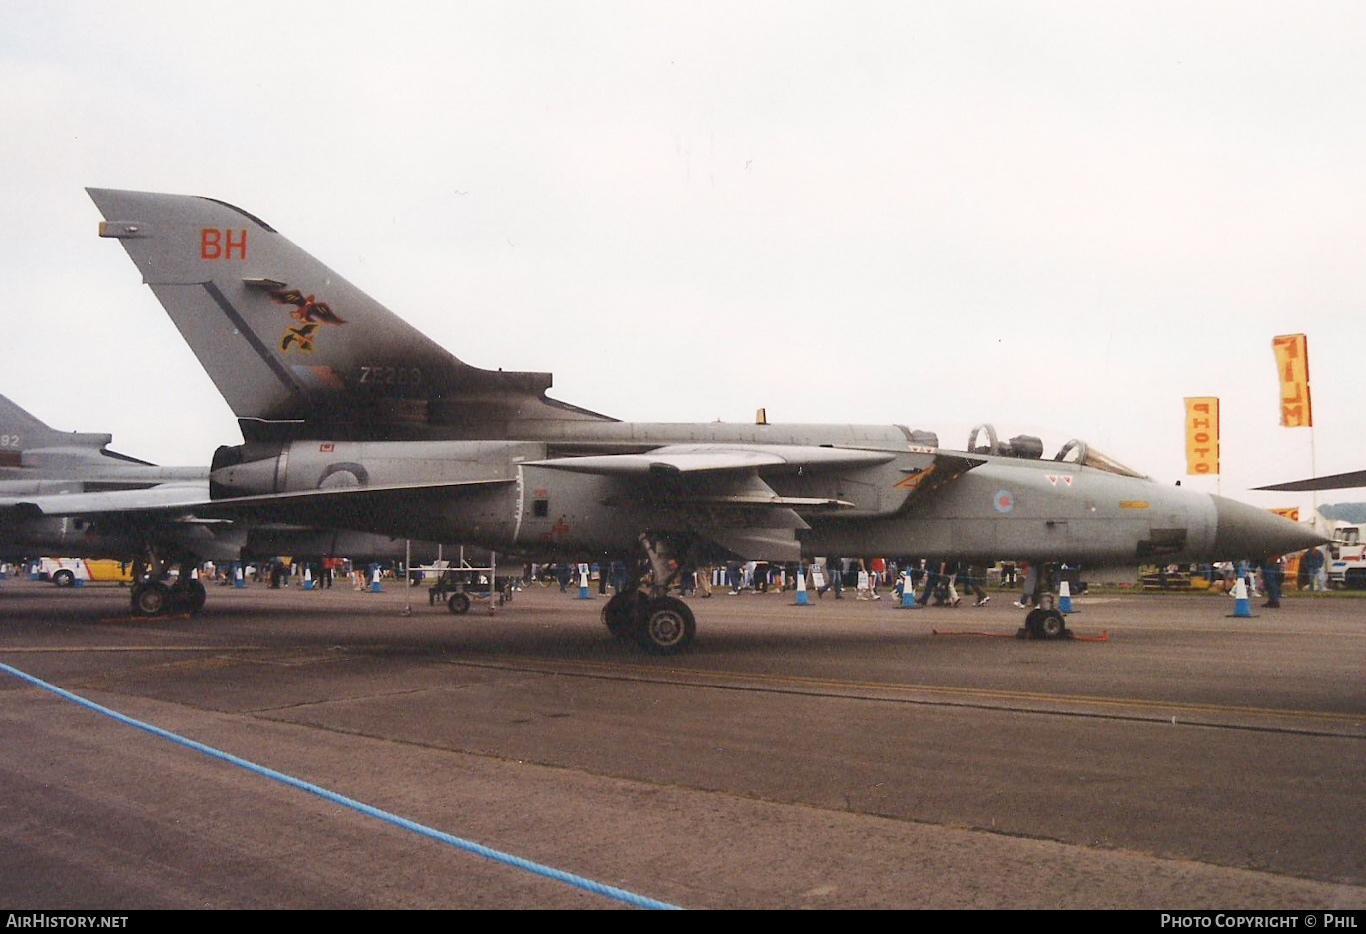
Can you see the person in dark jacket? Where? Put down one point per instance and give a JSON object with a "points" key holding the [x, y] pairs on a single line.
{"points": [[1273, 573]]}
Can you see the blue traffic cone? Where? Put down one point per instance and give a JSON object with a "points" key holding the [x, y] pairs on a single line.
{"points": [[583, 586], [239, 576], [1242, 609], [802, 598], [907, 594], [1065, 598], [308, 577], [375, 585]]}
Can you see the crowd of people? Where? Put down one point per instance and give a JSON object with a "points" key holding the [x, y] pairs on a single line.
{"points": [[933, 581], [1267, 577]]}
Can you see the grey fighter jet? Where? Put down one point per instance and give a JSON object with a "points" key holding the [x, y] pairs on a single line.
{"points": [[31, 452], [67, 493], [352, 418]]}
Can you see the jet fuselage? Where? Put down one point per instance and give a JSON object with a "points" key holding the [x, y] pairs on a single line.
{"points": [[1000, 508]]}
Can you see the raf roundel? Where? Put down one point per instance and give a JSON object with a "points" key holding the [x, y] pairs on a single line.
{"points": [[1005, 501]]}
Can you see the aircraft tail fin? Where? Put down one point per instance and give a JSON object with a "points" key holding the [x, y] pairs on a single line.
{"points": [[295, 349], [15, 420], [27, 441]]}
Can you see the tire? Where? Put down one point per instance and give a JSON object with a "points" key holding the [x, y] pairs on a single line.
{"points": [[151, 599], [459, 604], [1034, 624], [668, 626], [619, 614], [1052, 625], [64, 578], [189, 596]]}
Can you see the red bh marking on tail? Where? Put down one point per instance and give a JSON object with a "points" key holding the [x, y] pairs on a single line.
{"points": [[222, 244]]}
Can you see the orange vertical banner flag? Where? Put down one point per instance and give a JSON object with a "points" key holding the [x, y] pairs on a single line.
{"points": [[1292, 366], [1202, 435]]}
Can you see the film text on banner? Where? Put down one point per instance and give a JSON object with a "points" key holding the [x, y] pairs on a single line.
{"points": [[1292, 365], [1202, 435]]}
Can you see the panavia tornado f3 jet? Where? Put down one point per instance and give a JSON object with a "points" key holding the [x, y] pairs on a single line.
{"points": [[354, 419]]}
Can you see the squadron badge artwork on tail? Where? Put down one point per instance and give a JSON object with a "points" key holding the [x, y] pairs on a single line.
{"points": [[309, 312]]}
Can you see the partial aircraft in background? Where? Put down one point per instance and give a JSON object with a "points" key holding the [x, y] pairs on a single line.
{"points": [[353, 419], [66, 493], [1337, 481]]}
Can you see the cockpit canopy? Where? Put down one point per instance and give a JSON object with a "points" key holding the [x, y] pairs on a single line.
{"points": [[1029, 447]]}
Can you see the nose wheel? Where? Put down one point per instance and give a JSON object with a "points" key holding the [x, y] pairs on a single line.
{"points": [[1045, 621], [1045, 624]]}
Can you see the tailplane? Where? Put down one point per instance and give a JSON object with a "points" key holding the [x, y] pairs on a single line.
{"points": [[295, 349]]}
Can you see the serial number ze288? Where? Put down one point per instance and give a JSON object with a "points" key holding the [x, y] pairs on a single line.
{"points": [[390, 376]]}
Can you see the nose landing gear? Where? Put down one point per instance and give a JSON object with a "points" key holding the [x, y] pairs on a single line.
{"points": [[1045, 621]]}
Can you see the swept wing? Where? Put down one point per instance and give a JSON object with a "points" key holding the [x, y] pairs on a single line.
{"points": [[1340, 481]]}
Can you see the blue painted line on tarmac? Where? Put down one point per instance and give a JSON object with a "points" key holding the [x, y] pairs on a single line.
{"points": [[569, 878]]}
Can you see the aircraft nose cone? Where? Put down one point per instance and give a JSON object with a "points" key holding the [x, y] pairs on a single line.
{"points": [[1245, 531]]}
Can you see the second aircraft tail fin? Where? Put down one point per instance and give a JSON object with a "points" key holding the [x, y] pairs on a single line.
{"points": [[27, 441]]}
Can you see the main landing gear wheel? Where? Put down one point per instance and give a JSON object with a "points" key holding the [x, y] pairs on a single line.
{"points": [[1045, 624], [459, 604], [619, 613], [151, 599], [188, 596], [64, 578], [668, 626]]}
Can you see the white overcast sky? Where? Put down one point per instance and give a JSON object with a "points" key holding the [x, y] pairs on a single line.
{"points": [[1061, 218]]}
